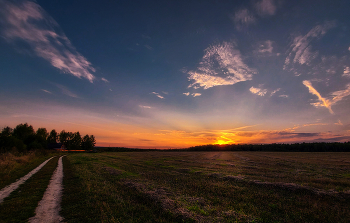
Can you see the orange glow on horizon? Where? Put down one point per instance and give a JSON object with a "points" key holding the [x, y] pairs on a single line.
{"points": [[221, 142]]}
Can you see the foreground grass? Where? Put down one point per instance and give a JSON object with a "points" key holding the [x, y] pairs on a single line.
{"points": [[189, 186], [21, 204], [91, 195]]}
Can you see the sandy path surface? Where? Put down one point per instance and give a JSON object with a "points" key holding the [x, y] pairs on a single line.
{"points": [[49, 207], [6, 191]]}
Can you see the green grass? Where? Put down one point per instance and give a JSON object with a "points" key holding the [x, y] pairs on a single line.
{"points": [[93, 195], [199, 196], [190, 187], [21, 203]]}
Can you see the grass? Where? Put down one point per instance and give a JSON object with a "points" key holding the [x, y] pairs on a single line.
{"points": [[93, 195], [21, 203], [190, 186], [14, 167]]}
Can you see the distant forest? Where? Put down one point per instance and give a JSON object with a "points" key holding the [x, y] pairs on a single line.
{"points": [[24, 138], [295, 147]]}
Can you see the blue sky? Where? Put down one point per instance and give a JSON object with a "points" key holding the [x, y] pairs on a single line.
{"points": [[178, 73]]}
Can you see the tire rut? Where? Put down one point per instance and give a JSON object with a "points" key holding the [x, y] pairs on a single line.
{"points": [[6, 191]]}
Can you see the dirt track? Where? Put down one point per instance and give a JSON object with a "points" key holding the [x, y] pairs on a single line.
{"points": [[49, 207], [6, 191]]}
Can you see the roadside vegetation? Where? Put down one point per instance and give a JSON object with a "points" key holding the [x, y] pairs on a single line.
{"points": [[14, 165]]}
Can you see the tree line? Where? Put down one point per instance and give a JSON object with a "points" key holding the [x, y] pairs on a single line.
{"points": [[278, 147], [24, 138]]}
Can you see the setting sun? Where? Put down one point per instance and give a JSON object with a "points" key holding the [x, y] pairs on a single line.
{"points": [[221, 142]]}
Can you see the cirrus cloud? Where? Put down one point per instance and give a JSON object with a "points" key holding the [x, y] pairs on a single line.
{"points": [[27, 21], [300, 51], [221, 64]]}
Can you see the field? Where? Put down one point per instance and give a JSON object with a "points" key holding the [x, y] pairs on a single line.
{"points": [[196, 187]]}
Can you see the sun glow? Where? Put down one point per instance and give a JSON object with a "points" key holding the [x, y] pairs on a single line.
{"points": [[221, 142]]}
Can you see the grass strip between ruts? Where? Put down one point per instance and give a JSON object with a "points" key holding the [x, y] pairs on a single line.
{"points": [[21, 204]]}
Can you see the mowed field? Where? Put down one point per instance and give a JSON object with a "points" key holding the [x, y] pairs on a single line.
{"points": [[195, 187]]}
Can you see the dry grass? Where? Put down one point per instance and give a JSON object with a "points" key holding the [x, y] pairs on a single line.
{"points": [[14, 165], [213, 186]]}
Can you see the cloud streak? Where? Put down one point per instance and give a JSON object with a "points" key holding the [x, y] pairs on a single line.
{"points": [[46, 91], [300, 50], [221, 64], [321, 101], [26, 21], [66, 91], [158, 95], [335, 96], [105, 80]]}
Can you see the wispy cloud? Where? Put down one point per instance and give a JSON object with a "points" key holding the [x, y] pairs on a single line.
{"points": [[314, 124], [105, 80], [258, 91], [265, 47], [223, 60], [149, 47], [321, 101], [339, 95], [196, 94], [46, 91], [243, 18], [275, 91], [338, 123], [145, 106], [300, 50], [265, 7], [193, 94], [66, 91], [158, 95], [27, 21], [334, 97], [346, 72]]}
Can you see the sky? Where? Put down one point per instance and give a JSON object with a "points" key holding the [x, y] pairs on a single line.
{"points": [[175, 74]]}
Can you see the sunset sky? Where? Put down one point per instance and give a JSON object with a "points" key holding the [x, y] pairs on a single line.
{"points": [[174, 74]]}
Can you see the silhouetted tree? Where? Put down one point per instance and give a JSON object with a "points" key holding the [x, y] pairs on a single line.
{"points": [[88, 142], [7, 131], [8, 142], [64, 137], [23, 132], [75, 141], [42, 133], [53, 136]]}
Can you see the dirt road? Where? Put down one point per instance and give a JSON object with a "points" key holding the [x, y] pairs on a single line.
{"points": [[49, 207], [6, 191]]}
